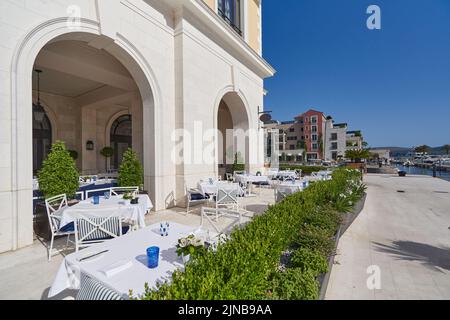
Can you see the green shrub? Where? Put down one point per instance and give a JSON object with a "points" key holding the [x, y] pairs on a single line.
{"points": [[309, 260], [58, 174], [245, 266], [294, 284], [315, 238], [131, 173], [326, 218], [237, 164]]}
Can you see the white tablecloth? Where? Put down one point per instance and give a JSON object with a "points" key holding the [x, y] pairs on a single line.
{"points": [[208, 188], [251, 178], [289, 187], [131, 249], [115, 205], [287, 174]]}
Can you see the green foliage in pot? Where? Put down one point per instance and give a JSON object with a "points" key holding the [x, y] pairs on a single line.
{"points": [[58, 174], [73, 154], [237, 164], [131, 173]]}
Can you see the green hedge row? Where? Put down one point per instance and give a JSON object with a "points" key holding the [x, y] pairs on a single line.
{"points": [[249, 267], [305, 169]]}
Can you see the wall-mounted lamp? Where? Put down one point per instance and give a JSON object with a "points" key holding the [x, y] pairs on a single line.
{"points": [[90, 145]]}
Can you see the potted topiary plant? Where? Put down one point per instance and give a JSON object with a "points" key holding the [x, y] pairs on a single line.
{"points": [[107, 152], [73, 154], [237, 164], [131, 173], [58, 174]]}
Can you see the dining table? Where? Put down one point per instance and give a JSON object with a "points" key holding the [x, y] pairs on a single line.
{"points": [[121, 263], [211, 187], [108, 206]]}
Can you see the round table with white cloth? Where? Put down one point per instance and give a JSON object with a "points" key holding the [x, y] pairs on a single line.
{"points": [[115, 205], [249, 178], [288, 187], [286, 174], [206, 187]]}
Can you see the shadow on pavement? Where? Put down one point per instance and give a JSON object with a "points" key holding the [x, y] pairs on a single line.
{"points": [[428, 255]]}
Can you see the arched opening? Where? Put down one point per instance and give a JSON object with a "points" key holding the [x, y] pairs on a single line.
{"points": [[233, 140], [85, 86], [121, 138], [147, 92]]}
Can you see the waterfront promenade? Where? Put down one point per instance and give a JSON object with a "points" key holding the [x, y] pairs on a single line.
{"points": [[403, 235]]}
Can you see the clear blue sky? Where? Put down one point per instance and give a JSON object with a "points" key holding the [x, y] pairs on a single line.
{"points": [[393, 83]]}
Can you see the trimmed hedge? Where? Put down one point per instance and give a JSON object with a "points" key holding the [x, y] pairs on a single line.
{"points": [[247, 266]]}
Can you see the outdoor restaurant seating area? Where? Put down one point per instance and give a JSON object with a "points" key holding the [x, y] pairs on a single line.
{"points": [[112, 243]]}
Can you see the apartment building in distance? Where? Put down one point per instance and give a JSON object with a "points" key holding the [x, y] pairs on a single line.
{"points": [[354, 140], [335, 140], [313, 136]]}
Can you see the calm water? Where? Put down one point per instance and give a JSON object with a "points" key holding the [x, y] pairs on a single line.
{"points": [[423, 171]]}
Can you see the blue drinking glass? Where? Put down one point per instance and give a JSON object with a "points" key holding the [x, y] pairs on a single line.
{"points": [[106, 195], [152, 257], [96, 200]]}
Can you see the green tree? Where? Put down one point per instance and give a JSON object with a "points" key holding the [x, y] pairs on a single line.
{"points": [[446, 148], [238, 164], [131, 173], [59, 174], [423, 149], [357, 155]]}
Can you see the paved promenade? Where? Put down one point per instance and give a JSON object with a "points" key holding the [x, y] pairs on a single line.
{"points": [[404, 235]]}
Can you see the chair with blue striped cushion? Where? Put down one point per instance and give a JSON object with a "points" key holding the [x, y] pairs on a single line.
{"points": [[91, 289], [92, 230]]}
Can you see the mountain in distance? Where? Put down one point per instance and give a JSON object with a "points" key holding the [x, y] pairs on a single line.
{"points": [[402, 151]]}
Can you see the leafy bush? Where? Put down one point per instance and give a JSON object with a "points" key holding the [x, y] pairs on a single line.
{"points": [[294, 284], [131, 173], [309, 260], [245, 267], [315, 238], [58, 174]]}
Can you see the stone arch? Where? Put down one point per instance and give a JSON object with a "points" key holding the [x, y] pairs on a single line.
{"points": [[21, 100], [238, 109]]}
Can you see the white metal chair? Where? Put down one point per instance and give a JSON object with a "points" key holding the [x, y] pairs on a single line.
{"points": [[194, 197], [89, 193], [281, 193], [223, 212], [55, 205], [227, 198], [93, 230], [115, 191]]}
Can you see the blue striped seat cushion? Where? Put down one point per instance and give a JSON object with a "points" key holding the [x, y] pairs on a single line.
{"points": [[91, 289]]}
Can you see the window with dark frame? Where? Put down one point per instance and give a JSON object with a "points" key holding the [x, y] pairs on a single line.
{"points": [[230, 11]]}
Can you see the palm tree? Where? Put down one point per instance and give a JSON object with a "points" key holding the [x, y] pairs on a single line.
{"points": [[357, 154]]}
